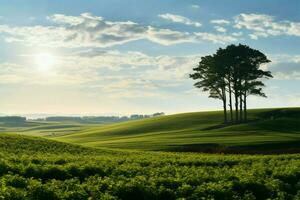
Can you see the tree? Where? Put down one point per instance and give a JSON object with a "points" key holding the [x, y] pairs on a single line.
{"points": [[211, 79], [250, 76], [232, 71], [226, 64]]}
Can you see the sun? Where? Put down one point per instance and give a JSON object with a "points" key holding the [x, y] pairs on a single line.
{"points": [[45, 61]]}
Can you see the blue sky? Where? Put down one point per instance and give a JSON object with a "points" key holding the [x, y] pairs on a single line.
{"points": [[124, 57]]}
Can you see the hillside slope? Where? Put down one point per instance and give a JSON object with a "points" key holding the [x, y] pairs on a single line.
{"points": [[38, 128], [19, 144], [269, 129]]}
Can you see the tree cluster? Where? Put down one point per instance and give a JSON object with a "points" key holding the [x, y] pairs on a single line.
{"points": [[231, 75], [99, 119], [13, 119]]}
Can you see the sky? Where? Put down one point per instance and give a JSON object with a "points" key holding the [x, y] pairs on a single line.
{"points": [[92, 57]]}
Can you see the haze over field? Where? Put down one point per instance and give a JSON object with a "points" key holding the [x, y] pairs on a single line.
{"points": [[124, 57]]}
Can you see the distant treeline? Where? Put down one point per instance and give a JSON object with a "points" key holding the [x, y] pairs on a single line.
{"points": [[84, 119], [99, 119], [13, 119]]}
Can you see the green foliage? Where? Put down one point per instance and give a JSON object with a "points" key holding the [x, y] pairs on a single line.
{"points": [[28, 172], [234, 70]]}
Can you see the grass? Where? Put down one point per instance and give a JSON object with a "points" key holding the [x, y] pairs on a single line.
{"points": [[46, 129], [269, 131], [57, 168], [277, 130], [35, 168]]}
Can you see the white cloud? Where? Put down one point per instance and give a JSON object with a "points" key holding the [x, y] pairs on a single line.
{"points": [[116, 74], [237, 34], [253, 36], [265, 25], [195, 6], [284, 67], [220, 21], [287, 76], [168, 37], [283, 58], [215, 38], [72, 20], [87, 31], [179, 19], [220, 29]]}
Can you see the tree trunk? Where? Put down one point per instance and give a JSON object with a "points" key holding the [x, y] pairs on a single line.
{"points": [[240, 94], [236, 92], [245, 106], [241, 107], [236, 107], [230, 101], [224, 105], [225, 111]]}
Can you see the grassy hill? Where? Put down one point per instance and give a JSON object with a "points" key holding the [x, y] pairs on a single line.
{"points": [[41, 168], [19, 144], [38, 128], [269, 130]]}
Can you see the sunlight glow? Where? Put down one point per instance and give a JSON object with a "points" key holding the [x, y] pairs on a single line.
{"points": [[45, 61]]}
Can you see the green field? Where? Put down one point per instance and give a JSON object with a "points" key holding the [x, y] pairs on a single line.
{"points": [[36, 168], [268, 131], [156, 158], [271, 130]]}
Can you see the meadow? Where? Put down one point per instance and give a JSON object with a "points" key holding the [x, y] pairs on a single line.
{"points": [[268, 131], [147, 159]]}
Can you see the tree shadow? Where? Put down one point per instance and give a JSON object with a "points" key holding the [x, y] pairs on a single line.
{"points": [[280, 113], [230, 124], [286, 147]]}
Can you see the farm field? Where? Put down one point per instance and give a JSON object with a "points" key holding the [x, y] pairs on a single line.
{"points": [[36, 168]]}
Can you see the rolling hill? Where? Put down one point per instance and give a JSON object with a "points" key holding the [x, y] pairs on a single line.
{"points": [[38, 128], [42, 168], [269, 130]]}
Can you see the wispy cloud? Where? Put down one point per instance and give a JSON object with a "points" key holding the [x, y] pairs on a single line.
{"points": [[285, 67], [195, 6], [179, 19], [263, 25], [220, 29], [114, 73], [220, 21], [237, 34], [216, 38], [88, 30]]}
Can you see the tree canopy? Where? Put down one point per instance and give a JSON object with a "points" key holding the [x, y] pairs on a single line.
{"points": [[231, 75]]}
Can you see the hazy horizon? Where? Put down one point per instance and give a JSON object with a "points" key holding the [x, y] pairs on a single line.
{"points": [[44, 115]]}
